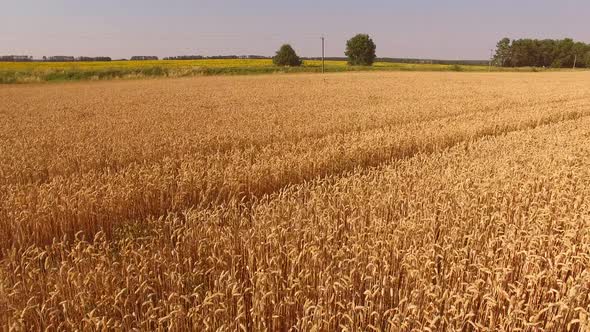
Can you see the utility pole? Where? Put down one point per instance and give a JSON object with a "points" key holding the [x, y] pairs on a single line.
{"points": [[323, 61], [575, 60], [491, 57]]}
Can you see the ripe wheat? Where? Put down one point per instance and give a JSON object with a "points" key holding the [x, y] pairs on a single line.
{"points": [[407, 201]]}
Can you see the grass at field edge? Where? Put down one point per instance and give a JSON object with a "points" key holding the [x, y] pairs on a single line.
{"points": [[74, 73]]}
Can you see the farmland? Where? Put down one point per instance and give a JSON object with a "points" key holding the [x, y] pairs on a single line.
{"points": [[380, 201], [29, 72]]}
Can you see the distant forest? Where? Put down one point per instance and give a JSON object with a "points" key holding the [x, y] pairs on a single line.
{"points": [[555, 53]]}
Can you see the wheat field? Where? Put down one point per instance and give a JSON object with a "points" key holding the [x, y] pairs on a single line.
{"points": [[339, 202]]}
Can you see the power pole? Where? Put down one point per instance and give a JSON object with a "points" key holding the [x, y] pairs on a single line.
{"points": [[323, 62], [491, 57], [575, 60]]}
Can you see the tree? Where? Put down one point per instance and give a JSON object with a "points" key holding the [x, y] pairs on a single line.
{"points": [[565, 55], [502, 57], [587, 59], [286, 56], [546, 52], [579, 52], [360, 50], [522, 51], [541, 53]]}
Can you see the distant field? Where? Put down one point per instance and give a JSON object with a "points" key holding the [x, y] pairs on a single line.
{"points": [[382, 201], [25, 72]]}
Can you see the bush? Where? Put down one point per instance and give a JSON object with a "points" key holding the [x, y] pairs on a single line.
{"points": [[286, 56], [557, 64], [456, 67], [360, 50]]}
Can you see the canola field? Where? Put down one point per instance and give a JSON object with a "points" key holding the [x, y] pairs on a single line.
{"points": [[30, 72], [374, 201]]}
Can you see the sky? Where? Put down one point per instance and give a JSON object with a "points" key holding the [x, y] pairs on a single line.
{"points": [[433, 29]]}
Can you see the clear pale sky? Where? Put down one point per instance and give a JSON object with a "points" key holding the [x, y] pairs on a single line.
{"points": [[453, 29]]}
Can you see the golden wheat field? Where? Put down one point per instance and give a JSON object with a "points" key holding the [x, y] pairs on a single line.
{"points": [[340, 202]]}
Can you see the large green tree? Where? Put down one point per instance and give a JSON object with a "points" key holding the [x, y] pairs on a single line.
{"points": [[579, 51], [502, 57], [286, 56], [360, 50]]}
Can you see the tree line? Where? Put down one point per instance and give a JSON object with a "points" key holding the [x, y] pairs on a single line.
{"points": [[555, 53], [361, 51]]}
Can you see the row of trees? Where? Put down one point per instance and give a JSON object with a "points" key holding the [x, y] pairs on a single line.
{"points": [[16, 58], [556, 53], [560, 53], [360, 51], [95, 58], [200, 57]]}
